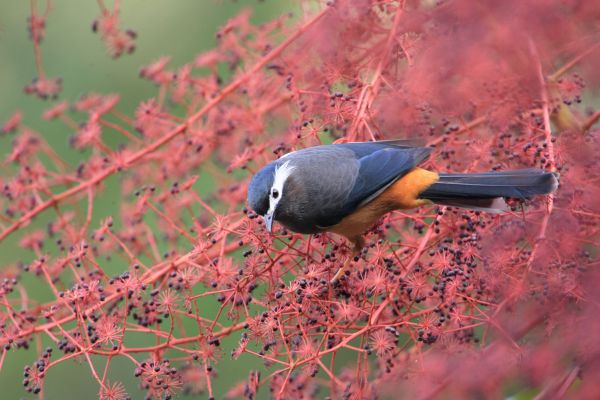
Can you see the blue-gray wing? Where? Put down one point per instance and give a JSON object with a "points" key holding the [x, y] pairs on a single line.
{"points": [[363, 149], [382, 168]]}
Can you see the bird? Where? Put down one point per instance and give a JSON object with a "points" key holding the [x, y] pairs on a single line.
{"points": [[346, 188]]}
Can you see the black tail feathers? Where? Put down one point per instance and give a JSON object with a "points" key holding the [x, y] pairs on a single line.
{"points": [[486, 191]]}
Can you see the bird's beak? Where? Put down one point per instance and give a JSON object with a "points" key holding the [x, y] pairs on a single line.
{"points": [[268, 217]]}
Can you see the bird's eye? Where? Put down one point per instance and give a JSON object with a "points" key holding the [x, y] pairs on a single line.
{"points": [[275, 193]]}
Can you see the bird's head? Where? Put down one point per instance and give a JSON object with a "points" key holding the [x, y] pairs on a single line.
{"points": [[267, 190]]}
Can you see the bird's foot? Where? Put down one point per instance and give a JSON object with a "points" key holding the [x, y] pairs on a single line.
{"points": [[338, 275]]}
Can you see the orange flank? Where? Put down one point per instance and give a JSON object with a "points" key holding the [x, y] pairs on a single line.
{"points": [[402, 194]]}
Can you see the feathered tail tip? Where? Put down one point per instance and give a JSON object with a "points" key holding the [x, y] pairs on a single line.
{"points": [[495, 205], [487, 191]]}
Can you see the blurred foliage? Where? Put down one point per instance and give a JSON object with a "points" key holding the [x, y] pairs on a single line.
{"points": [[179, 29]]}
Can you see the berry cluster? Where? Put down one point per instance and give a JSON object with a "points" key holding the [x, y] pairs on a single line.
{"points": [[180, 276]]}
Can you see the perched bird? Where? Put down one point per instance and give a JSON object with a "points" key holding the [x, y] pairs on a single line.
{"points": [[346, 188]]}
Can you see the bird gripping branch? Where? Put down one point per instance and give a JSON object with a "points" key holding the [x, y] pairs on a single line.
{"points": [[346, 188]]}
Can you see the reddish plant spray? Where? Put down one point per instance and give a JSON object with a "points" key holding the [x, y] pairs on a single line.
{"points": [[441, 303]]}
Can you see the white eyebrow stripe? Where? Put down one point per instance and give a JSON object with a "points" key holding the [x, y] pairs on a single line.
{"points": [[281, 174]]}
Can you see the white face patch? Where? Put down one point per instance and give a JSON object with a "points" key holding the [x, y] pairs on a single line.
{"points": [[282, 173]]}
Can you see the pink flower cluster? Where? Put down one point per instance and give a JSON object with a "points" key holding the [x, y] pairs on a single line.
{"points": [[441, 303]]}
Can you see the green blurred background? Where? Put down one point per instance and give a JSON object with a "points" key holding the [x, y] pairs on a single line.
{"points": [[176, 28]]}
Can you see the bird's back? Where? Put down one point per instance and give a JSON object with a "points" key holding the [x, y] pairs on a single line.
{"points": [[331, 181]]}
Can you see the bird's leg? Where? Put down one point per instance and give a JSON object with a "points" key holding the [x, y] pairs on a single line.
{"points": [[358, 243]]}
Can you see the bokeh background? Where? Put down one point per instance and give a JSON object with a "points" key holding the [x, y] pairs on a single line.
{"points": [[177, 28], [181, 29]]}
